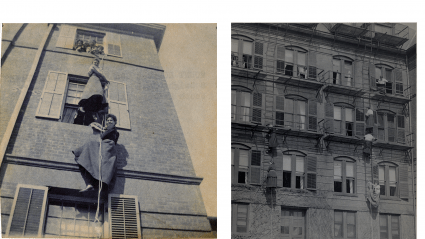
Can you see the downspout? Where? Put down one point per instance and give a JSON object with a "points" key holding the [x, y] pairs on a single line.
{"points": [[24, 92], [411, 142]]}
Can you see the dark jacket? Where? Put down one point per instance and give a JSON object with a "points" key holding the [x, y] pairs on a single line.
{"points": [[111, 134]]}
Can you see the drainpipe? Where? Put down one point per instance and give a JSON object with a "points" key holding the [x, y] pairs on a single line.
{"points": [[24, 92]]}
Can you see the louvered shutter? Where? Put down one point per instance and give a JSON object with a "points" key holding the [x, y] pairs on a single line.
{"points": [[66, 37], [255, 167], [280, 107], [118, 103], [281, 52], [360, 124], [258, 62], [375, 171], [312, 70], [372, 77], [257, 103], [113, 44], [404, 183], [124, 216], [329, 118], [52, 98], [279, 170], [311, 172], [401, 133], [259, 48], [28, 211], [312, 115]]}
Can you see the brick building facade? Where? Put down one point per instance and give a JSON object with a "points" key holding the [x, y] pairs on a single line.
{"points": [[322, 88], [156, 193]]}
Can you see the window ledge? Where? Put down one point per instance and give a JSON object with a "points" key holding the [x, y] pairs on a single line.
{"points": [[246, 123], [296, 190], [390, 198], [345, 194]]}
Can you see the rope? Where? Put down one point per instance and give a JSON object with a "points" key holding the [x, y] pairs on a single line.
{"points": [[96, 220]]}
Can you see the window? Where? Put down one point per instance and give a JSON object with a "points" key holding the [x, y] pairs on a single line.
{"points": [[344, 224], [387, 129], [245, 110], [69, 35], [246, 165], [384, 79], [344, 175], [296, 170], [342, 71], [293, 223], [73, 219], [292, 61], [343, 120], [388, 179], [240, 217], [389, 226], [62, 92], [32, 215], [242, 51], [295, 112]]}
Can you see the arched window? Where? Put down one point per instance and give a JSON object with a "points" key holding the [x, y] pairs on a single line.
{"points": [[291, 111], [242, 48], [388, 126], [388, 179], [342, 71], [343, 119], [246, 164], [384, 78], [344, 175], [292, 61], [296, 170], [246, 105]]}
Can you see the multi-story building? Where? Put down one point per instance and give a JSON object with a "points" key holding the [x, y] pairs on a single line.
{"points": [[156, 192], [322, 88]]}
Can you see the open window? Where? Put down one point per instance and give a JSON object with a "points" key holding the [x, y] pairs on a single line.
{"points": [[62, 92], [71, 37], [388, 126], [296, 170], [247, 106], [242, 51], [246, 165], [292, 61], [344, 175], [342, 71]]}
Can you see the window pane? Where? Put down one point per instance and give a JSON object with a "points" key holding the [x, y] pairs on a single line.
{"points": [[381, 173], [392, 178], [243, 159], [383, 224], [301, 107], [392, 174], [350, 185], [337, 113], [301, 58], [299, 182], [235, 45], [351, 225], [289, 106], [349, 169], [336, 65], [391, 121], [300, 164], [337, 170], [395, 227], [286, 179], [245, 99], [349, 115], [337, 186], [378, 73], [241, 222], [242, 177], [289, 56], [247, 48], [388, 74], [338, 224], [287, 162], [381, 119]]}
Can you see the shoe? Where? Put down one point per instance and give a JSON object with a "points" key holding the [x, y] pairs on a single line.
{"points": [[88, 188]]}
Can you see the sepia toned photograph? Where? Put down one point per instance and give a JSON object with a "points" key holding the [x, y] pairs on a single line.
{"points": [[323, 130], [108, 130]]}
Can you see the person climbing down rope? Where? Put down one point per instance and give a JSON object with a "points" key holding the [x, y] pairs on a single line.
{"points": [[93, 100], [97, 158]]}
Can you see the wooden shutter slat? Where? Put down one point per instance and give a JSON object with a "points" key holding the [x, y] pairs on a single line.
{"points": [[124, 216], [312, 115], [118, 103], [329, 118], [312, 70], [113, 44], [404, 183], [372, 77], [28, 210], [255, 166], [259, 48], [257, 99], [66, 37], [52, 98]]}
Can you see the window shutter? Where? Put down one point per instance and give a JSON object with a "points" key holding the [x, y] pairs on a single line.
{"points": [[281, 53], [51, 102], [372, 77], [280, 107], [257, 103], [360, 125], [403, 179], [258, 62], [124, 216], [66, 37], [398, 75], [401, 129], [113, 44], [375, 172], [279, 170], [259, 48], [255, 167], [311, 172], [118, 103], [312, 70], [28, 211], [329, 118], [312, 115]]}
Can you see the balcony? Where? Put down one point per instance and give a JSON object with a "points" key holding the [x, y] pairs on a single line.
{"points": [[298, 75], [339, 84], [244, 68]]}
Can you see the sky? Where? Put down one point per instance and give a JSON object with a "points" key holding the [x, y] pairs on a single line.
{"points": [[188, 55]]}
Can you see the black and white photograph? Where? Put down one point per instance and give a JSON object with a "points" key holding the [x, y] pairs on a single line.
{"points": [[323, 130]]}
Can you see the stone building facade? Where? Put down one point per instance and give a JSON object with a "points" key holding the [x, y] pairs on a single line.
{"points": [[322, 88], [156, 192]]}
